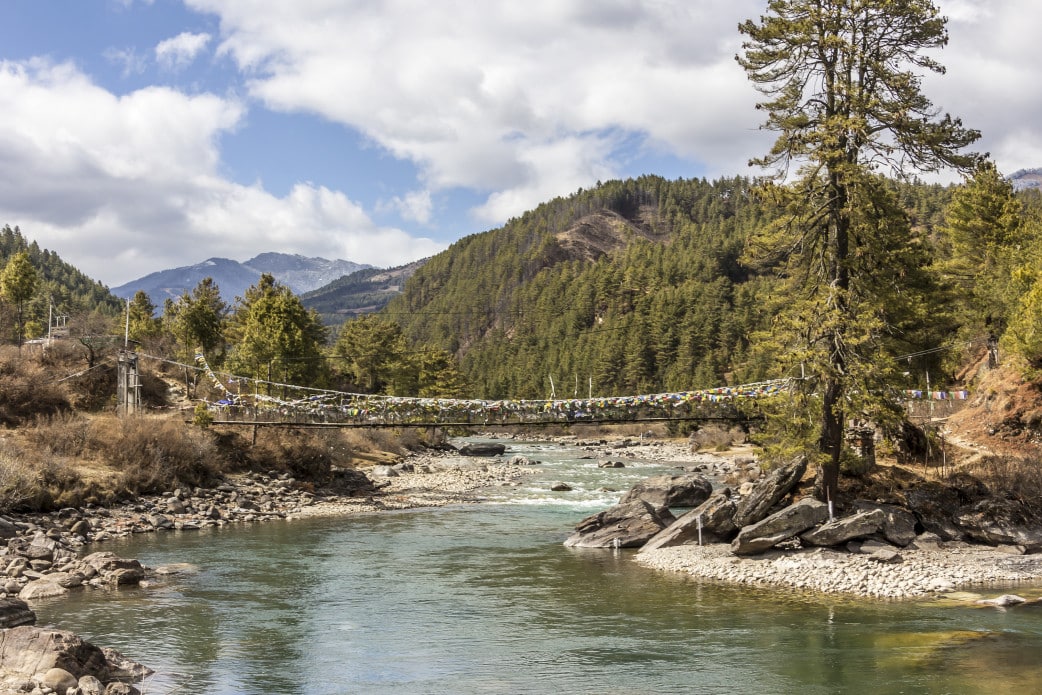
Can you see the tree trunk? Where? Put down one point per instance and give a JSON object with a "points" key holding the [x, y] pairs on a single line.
{"points": [[831, 440]]}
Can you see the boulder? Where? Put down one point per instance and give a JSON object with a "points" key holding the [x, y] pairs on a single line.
{"points": [[41, 589], [112, 569], [89, 685], [999, 522], [15, 612], [899, 527], [846, 528], [934, 504], [783, 525], [349, 482], [8, 528], [716, 515], [685, 490], [768, 492], [481, 449], [28, 651], [123, 669], [628, 525], [59, 680]]}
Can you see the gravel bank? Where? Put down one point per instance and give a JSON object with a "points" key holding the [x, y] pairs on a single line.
{"points": [[424, 480], [919, 572]]}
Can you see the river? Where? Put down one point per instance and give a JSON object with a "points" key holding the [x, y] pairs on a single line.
{"points": [[485, 599]]}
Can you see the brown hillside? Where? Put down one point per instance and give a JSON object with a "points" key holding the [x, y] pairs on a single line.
{"points": [[603, 232], [1003, 417]]}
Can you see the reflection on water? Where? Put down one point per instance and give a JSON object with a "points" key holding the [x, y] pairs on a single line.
{"points": [[487, 600]]}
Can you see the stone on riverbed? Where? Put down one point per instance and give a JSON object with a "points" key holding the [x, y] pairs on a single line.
{"points": [[846, 528], [780, 526], [716, 515], [770, 491], [1003, 601], [479, 449], [628, 525], [686, 490], [899, 526]]}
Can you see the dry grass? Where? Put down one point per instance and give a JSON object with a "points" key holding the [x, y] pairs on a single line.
{"points": [[1017, 479], [156, 454]]}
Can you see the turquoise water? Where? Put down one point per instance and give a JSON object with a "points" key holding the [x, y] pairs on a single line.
{"points": [[485, 599]]}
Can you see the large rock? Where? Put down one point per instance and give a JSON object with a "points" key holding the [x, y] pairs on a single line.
{"points": [[28, 651], [770, 491], [685, 490], [847, 528], [783, 525], [899, 527], [112, 569], [999, 522], [716, 515], [15, 612], [480, 449], [628, 525], [41, 589], [935, 504]]}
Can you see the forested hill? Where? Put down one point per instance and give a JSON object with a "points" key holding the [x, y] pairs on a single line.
{"points": [[634, 286], [69, 290]]}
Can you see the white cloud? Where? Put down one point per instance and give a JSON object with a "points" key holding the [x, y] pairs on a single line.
{"points": [[486, 96], [415, 206], [130, 62], [178, 52], [121, 186]]}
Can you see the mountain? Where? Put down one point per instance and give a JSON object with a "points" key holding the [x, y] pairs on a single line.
{"points": [[637, 286], [362, 292], [301, 274], [1026, 178]]}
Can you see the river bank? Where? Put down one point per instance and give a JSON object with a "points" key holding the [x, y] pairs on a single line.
{"points": [[432, 479]]}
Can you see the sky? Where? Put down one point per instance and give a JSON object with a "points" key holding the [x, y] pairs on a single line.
{"points": [[140, 135]]}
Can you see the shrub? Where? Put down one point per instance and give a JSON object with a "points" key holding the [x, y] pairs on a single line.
{"points": [[27, 389], [63, 434], [156, 455], [17, 481], [303, 454]]}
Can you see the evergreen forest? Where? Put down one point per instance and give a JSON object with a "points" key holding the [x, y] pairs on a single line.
{"points": [[679, 301]]}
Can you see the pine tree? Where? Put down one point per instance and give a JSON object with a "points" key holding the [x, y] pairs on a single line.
{"points": [[143, 322], [272, 335], [196, 321], [842, 83], [983, 222], [18, 283]]}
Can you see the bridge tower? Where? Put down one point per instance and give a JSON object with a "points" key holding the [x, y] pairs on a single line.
{"points": [[128, 385]]}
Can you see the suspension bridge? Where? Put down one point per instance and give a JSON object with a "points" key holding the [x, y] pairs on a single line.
{"points": [[238, 400]]}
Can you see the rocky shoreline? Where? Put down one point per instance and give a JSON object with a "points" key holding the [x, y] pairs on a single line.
{"points": [[42, 557]]}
